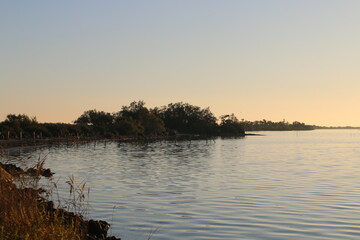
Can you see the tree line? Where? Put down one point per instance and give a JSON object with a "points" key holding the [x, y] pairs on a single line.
{"points": [[265, 125], [136, 119]]}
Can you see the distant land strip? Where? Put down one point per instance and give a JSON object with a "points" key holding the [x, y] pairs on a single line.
{"points": [[136, 121]]}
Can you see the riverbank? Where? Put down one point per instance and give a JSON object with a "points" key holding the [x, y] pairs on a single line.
{"points": [[26, 212]]}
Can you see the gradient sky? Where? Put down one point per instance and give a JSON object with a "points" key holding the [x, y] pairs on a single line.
{"points": [[280, 59]]}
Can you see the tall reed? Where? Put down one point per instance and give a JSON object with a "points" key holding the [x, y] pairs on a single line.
{"points": [[25, 214]]}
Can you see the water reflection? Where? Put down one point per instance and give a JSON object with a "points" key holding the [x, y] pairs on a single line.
{"points": [[163, 159], [284, 185]]}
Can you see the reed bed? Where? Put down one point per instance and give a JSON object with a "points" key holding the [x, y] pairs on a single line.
{"points": [[26, 213]]}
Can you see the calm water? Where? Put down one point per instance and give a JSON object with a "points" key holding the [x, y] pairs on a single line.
{"points": [[285, 185]]}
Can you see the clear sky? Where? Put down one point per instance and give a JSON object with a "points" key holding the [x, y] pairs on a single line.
{"points": [[272, 59]]}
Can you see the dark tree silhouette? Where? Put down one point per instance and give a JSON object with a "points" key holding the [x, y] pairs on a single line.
{"points": [[186, 118], [136, 118], [230, 125], [100, 121]]}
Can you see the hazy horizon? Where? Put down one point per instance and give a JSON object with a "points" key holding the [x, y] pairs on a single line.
{"points": [[217, 116], [274, 60]]}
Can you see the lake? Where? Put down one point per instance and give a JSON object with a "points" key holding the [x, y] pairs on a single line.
{"points": [[284, 185]]}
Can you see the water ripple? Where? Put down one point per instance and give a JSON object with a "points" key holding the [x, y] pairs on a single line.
{"points": [[285, 185]]}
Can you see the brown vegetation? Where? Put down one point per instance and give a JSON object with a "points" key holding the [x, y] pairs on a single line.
{"points": [[25, 214]]}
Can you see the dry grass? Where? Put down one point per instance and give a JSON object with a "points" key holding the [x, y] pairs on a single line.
{"points": [[24, 215]]}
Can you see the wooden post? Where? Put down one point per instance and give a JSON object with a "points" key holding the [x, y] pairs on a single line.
{"points": [[20, 135], [34, 135], [8, 136]]}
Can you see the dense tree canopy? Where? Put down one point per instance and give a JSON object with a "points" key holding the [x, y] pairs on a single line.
{"points": [[137, 120], [265, 125], [230, 125], [100, 121], [186, 118], [21, 123]]}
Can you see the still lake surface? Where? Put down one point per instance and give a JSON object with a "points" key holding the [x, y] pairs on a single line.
{"points": [[284, 185]]}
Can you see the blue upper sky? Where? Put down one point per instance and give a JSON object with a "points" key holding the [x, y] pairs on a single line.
{"points": [[293, 60]]}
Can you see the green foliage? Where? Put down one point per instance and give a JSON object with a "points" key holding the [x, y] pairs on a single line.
{"points": [[127, 126], [137, 119], [19, 123], [60, 130]]}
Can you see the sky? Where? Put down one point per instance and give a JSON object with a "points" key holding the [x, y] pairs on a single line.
{"points": [[259, 59]]}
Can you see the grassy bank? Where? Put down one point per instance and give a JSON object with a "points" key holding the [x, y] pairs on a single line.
{"points": [[26, 213]]}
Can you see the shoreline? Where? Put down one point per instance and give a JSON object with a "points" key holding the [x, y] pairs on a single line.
{"points": [[31, 201], [16, 143]]}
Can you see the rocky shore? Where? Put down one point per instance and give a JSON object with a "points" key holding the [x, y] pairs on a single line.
{"points": [[13, 198]]}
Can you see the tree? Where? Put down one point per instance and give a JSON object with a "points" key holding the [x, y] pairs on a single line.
{"points": [[100, 121], [20, 123], [186, 118], [230, 125], [137, 119], [127, 126]]}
